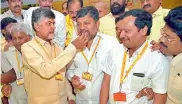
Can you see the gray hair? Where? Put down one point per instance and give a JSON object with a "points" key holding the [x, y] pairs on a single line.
{"points": [[91, 10], [20, 27], [40, 13]]}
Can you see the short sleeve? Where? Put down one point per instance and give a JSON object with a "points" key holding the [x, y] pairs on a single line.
{"points": [[5, 65], [107, 63], [159, 79]]}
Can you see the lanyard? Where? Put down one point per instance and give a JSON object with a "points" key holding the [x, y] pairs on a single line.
{"points": [[45, 49], [122, 77], [86, 59], [18, 63]]}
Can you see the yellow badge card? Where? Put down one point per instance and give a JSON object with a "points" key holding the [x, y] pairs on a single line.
{"points": [[59, 76], [20, 81], [87, 76]]}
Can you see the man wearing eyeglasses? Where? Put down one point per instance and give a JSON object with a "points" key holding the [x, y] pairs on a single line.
{"points": [[158, 13]]}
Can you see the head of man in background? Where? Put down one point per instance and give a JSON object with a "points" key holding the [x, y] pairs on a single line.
{"points": [[151, 5], [117, 6], [102, 8], [6, 24], [73, 7], [64, 8], [20, 35], [15, 6], [45, 3]]}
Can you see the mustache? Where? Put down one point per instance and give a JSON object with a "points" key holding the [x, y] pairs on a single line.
{"points": [[47, 6], [83, 30], [162, 44], [146, 6], [17, 6]]}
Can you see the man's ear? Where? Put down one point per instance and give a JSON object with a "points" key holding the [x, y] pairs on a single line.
{"points": [[36, 27], [3, 31], [144, 30]]}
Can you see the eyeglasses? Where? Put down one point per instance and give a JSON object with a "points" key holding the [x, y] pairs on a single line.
{"points": [[165, 36]]}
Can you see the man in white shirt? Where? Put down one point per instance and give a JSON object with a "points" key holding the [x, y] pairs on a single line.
{"points": [[60, 31], [87, 62], [132, 66], [19, 33], [15, 10]]}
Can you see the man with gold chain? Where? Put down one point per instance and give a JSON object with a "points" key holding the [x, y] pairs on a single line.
{"points": [[19, 34], [131, 66], [44, 62], [85, 71]]}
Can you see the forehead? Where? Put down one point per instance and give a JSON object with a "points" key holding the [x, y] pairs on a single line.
{"points": [[46, 20], [168, 30], [74, 5], [85, 18], [126, 22], [18, 33]]}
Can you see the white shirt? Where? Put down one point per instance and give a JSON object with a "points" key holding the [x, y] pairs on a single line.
{"points": [[60, 25], [18, 95], [153, 65], [10, 14], [5, 65], [90, 95]]}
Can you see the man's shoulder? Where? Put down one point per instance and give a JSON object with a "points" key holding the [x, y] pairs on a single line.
{"points": [[31, 9], [106, 18], [6, 14], [165, 11], [57, 13], [30, 43], [109, 39], [177, 60]]}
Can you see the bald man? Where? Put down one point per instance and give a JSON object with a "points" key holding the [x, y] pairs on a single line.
{"points": [[102, 8]]}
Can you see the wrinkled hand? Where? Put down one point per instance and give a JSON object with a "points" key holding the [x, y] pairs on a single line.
{"points": [[6, 90], [80, 42], [148, 92], [75, 80], [72, 102], [9, 44]]}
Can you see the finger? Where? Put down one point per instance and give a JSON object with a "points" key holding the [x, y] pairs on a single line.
{"points": [[150, 97], [81, 37], [75, 77], [81, 87], [76, 84], [153, 42]]}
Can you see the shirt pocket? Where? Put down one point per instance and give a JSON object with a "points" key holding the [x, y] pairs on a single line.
{"points": [[138, 83]]}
